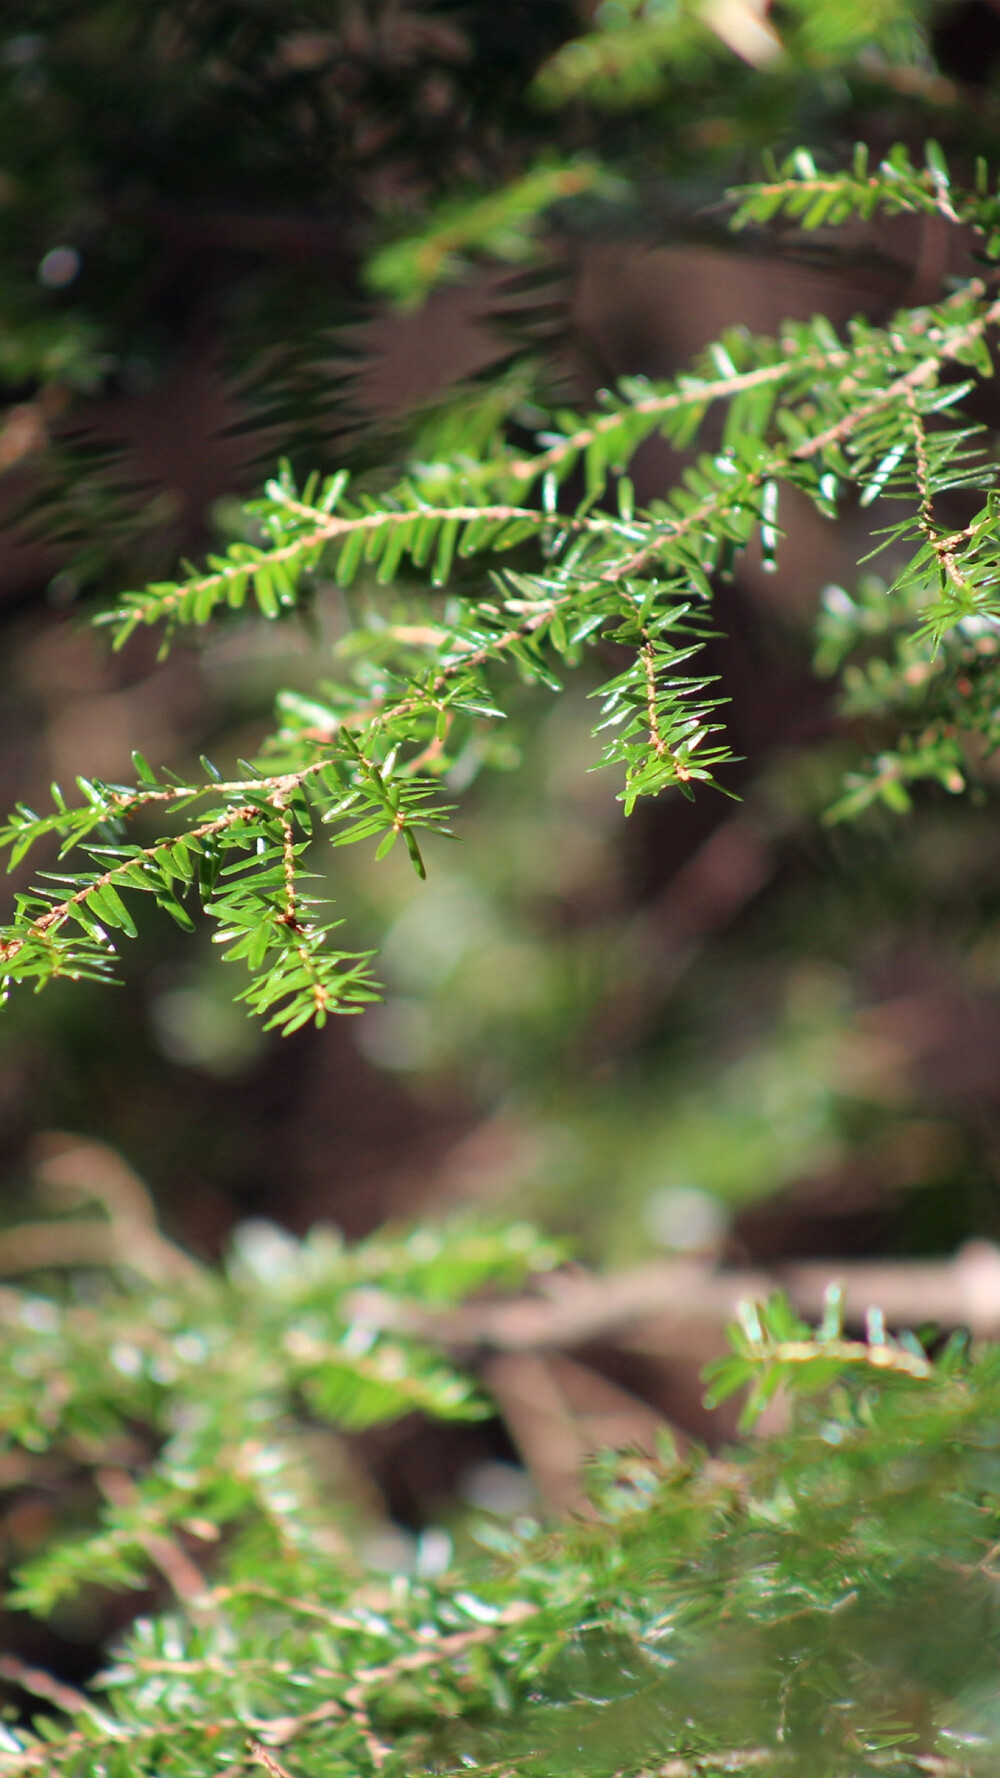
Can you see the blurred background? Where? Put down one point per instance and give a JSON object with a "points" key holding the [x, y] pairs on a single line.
{"points": [[716, 1029]]}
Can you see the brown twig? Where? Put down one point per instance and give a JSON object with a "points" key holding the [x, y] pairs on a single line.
{"points": [[443, 1648], [527, 468], [918, 378], [57, 916], [944, 547], [663, 1306], [656, 737], [333, 526], [73, 1165], [261, 1757], [174, 1563], [42, 1685], [35, 1246]]}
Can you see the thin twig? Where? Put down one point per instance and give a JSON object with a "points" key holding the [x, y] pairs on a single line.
{"points": [[527, 468], [943, 547], [43, 1685], [261, 1757], [656, 738], [917, 378], [174, 1563], [332, 526], [58, 915]]}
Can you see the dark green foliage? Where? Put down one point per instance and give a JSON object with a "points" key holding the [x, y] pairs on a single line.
{"points": [[260, 166]]}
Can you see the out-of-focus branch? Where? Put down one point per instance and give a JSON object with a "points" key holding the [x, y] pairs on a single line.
{"points": [[42, 1685], [176, 1566], [666, 1306], [73, 1167], [960, 1292]]}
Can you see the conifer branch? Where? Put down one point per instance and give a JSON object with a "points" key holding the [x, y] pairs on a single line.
{"points": [[803, 1552], [689, 393], [118, 873], [870, 413], [656, 737]]}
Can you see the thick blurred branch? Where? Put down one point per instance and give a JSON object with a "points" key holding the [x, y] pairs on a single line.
{"points": [[73, 1167], [666, 1305]]}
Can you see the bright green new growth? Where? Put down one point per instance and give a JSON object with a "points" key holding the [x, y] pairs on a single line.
{"points": [[874, 416], [821, 1602]]}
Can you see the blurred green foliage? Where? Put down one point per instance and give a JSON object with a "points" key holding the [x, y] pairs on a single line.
{"points": [[778, 1609]]}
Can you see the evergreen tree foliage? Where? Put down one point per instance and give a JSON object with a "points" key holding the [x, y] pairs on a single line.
{"points": [[874, 417], [821, 1600]]}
